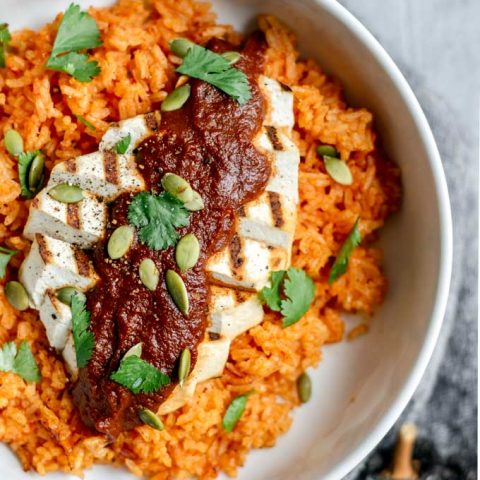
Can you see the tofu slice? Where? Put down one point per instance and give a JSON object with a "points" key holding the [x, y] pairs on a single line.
{"points": [[139, 128], [52, 264], [70, 357], [81, 223], [57, 320], [105, 174], [279, 103]]}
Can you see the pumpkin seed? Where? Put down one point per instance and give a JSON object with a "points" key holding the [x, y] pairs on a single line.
{"points": [[177, 186], [178, 291], [135, 351], [151, 419], [187, 252], [180, 46], [176, 99], [66, 193], [120, 241], [184, 365], [338, 170], [35, 174], [195, 204], [149, 274], [65, 294], [13, 142], [16, 295], [231, 57], [327, 150], [304, 387]]}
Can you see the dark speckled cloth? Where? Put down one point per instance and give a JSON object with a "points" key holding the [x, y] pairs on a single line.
{"points": [[444, 408]]}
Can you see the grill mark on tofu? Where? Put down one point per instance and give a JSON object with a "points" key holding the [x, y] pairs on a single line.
{"points": [[152, 120], [213, 336], [73, 215], [83, 264], [285, 87], [276, 208], [43, 248], [241, 211], [70, 165], [111, 167], [273, 137], [235, 249]]}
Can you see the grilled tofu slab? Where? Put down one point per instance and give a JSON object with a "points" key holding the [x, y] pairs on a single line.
{"points": [[261, 241]]}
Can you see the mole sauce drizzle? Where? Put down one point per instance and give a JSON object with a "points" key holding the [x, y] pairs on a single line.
{"points": [[209, 143]]}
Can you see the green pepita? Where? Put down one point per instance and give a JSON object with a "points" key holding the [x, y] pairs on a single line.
{"points": [[16, 295], [327, 150], [151, 419], [304, 387], [176, 99], [66, 193], [149, 274], [231, 57], [338, 170], [13, 142], [180, 46], [178, 291], [195, 204], [65, 294], [120, 241], [35, 173], [187, 252], [135, 351], [184, 365], [177, 186]]}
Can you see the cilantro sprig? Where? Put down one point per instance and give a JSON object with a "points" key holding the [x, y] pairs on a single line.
{"points": [[211, 67], [157, 217], [139, 376], [291, 293], [5, 255], [77, 31], [21, 362], [83, 338], [340, 265], [5, 38]]}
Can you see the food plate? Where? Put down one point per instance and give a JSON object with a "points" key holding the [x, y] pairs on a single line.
{"points": [[360, 387]]}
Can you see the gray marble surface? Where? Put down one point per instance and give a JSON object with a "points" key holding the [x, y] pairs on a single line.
{"points": [[436, 43]]}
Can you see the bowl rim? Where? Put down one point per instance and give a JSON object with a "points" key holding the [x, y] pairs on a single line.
{"points": [[385, 423]]}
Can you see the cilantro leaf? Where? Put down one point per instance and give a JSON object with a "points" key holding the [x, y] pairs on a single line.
{"points": [[122, 146], [271, 295], [25, 364], [76, 65], [5, 38], [22, 362], [139, 376], [77, 31], [85, 122], [300, 291], [340, 265], [157, 216], [214, 69], [235, 411], [25, 160], [83, 339], [5, 256]]}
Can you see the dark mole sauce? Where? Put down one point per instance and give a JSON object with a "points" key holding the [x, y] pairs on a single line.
{"points": [[209, 143]]}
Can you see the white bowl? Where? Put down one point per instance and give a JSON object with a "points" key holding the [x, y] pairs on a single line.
{"points": [[360, 388]]}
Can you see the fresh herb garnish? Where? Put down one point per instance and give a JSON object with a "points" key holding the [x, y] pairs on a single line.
{"points": [[22, 362], [77, 31], [85, 122], [5, 256], [157, 217], [122, 146], [291, 293], [235, 411], [83, 338], [139, 376], [213, 68], [341, 262], [25, 160], [5, 38]]}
